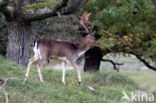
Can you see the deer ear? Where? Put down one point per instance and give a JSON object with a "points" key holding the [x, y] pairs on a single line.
{"points": [[93, 33]]}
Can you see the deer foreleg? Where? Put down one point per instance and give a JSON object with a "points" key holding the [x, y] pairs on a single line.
{"points": [[63, 72], [79, 75], [76, 67]]}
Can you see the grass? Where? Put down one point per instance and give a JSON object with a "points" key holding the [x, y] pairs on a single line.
{"points": [[109, 83], [145, 79]]}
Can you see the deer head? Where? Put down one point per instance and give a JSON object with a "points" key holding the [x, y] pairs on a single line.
{"points": [[90, 39]]}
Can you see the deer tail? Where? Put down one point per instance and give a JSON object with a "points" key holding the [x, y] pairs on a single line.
{"points": [[36, 43]]}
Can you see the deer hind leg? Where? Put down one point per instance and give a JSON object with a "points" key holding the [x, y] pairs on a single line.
{"points": [[31, 61], [39, 66], [76, 67], [63, 71]]}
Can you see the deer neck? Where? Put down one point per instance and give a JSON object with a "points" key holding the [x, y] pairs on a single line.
{"points": [[82, 48]]}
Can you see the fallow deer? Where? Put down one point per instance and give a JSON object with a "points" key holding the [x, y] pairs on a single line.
{"points": [[68, 52]]}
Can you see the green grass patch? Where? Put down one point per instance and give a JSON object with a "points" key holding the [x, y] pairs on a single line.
{"points": [[109, 84]]}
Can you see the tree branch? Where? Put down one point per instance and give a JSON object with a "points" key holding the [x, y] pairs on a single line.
{"points": [[113, 63], [4, 81], [39, 14], [26, 2], [65, 7], [6, 9], [4, 3], [154, 2], [6, 96], [73, 5], [141, 59], [93, 90]]}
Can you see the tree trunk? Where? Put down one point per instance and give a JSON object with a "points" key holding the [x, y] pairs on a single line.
{"points": [[18, 42], [93, 59]]}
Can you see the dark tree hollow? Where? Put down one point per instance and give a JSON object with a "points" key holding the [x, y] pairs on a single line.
{"points": [[93, 59]]}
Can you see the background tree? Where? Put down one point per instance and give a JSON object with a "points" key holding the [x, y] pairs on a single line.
{"points": [[125, 26], [19, 15], [3, 36]]}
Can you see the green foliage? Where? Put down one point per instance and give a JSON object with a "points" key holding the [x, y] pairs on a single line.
{"points": [[35, 6], [129, 25], [110, 85], [41, 4]]}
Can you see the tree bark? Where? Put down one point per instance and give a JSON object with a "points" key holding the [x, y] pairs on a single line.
{"points": [[93, 59], [18, 42]]}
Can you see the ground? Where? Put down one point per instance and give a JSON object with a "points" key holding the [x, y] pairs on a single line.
{"points": [[110, 85]]}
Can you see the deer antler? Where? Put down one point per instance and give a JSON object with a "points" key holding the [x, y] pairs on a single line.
{"points": [[84, 21]]}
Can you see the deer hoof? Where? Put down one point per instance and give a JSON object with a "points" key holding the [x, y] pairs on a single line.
{"points": [[79, 82], [25, 80], [63, 83], [41, 81]]}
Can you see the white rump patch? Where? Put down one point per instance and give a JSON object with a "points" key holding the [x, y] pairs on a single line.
{"points": [[37, 51]]}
